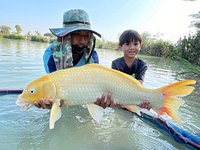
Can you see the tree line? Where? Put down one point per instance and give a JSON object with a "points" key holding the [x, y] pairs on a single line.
{"points": [[5, 32]]}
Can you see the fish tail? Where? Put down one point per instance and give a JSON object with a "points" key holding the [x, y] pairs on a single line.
{"points": [[171, 102]]}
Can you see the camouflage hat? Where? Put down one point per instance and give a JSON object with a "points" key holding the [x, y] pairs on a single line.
{"points": [[74, 20]]}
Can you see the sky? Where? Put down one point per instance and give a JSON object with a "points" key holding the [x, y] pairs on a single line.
{"points": [[167, 18]]}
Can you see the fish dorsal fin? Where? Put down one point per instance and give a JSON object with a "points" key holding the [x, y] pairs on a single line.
{"points": [[55, 114], [95, 111]]}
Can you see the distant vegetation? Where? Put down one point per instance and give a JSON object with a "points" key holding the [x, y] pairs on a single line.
{"points": [[5, 32], [187, 48], [14, 36]]}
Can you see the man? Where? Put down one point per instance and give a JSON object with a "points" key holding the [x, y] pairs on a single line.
{"points": [[75, 45]]}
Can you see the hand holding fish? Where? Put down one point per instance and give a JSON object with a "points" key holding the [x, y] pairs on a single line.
{"points": [[105, 100], [145, 104], [42, 104]]}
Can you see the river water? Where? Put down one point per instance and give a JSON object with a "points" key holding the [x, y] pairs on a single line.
{"points": [[21, 62]]}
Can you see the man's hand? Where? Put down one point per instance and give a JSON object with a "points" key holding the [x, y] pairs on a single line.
{"points": [[106, 100], [42, 104]]}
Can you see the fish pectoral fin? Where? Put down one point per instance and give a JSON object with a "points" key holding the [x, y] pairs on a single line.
{"points": [[95, 111], [55, 114], [133, 108]]}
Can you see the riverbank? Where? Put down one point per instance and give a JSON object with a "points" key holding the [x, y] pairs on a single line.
{"points": [[35, 38]]}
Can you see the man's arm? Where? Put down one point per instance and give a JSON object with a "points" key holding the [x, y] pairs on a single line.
{"points": [[48, 61], [95, 57]]}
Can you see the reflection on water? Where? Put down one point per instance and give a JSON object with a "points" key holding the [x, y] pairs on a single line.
{"points": [[21, 62], [19, 58]]}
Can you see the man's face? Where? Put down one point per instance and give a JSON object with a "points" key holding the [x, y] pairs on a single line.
{"points": [[80, 38]]}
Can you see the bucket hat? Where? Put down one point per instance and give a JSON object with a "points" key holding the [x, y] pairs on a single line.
{"points": [[74, 20]]}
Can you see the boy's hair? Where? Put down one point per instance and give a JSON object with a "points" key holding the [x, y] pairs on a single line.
{"points": [[129, 36]]}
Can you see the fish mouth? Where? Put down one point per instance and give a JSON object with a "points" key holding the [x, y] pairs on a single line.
{"points": [[23, 103]]}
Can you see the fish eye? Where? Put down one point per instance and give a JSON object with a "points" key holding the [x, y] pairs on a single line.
{"points": [[32, 90]]}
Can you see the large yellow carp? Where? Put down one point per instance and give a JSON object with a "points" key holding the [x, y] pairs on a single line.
{"points": [[82, 85]]}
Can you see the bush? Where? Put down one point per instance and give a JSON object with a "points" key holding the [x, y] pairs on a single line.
{"points": [[38, 38], [15, 36]]}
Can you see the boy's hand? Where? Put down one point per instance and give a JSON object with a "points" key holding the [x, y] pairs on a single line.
{"points": [[145, 104]]}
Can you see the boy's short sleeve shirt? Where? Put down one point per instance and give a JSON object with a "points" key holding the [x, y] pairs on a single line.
{"points": [[137, 69]]}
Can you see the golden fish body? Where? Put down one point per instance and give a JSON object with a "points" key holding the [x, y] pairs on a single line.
{"points": [[82, 85]]}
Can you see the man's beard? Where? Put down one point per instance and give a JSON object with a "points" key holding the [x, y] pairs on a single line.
{"points": [[78, 50]]}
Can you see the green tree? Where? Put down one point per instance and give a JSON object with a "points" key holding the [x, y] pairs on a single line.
{"points": [[196, 22], [18, 29], [38, 33], [146, 43], [161, 48], [189, 47], [5, 30], [49, 35]]}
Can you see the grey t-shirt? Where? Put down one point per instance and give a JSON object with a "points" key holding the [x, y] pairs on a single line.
{"points": [[137, 69]]}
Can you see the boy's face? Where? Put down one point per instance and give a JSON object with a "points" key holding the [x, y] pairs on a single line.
{"points": [[132, 49]]}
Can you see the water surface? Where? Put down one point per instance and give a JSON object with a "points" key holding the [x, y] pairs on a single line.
{"points": [[21, 62]]}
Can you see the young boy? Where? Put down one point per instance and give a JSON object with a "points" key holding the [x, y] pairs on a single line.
{"points": [[130, 43]]}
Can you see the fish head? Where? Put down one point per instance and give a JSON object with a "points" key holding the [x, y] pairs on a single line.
{"points": [[42, 87]]}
